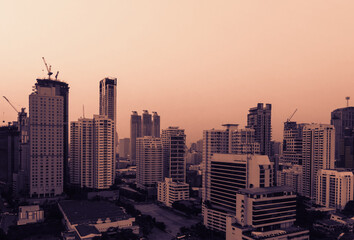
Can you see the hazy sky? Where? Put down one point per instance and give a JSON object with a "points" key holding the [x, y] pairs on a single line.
{"points": [[198, 63]]}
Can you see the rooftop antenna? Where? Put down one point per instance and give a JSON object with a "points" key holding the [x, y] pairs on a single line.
{"points": [[56, 75], [3, 117], [347, 98], [83, 110], [48, 68]]}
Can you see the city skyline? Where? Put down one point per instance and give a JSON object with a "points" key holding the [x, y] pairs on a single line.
{"points": [[212, 64]]}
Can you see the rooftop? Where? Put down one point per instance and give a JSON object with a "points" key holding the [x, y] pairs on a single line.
{"points": [[84, 212], [85, 230], [266, 190]]}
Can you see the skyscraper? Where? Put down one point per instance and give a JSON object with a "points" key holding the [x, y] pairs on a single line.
{"points": [[174, 143], [92, 154], [317, 153], [149, 161], [141, 126], [108, 107], [135, 132], [292, 143], [48, 112], [343, 121], [259, 118]]}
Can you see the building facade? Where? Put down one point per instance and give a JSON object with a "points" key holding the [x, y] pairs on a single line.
{"points": [[290, 175], [170, 191], [48, 124], [149, 161], [318, 142], [174, 151], [335, 188], [260, 119], [292, 143]]}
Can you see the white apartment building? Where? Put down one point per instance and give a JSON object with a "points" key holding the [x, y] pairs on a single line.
{"points": [[174, 150], [318, 147], [290, 175], [92, 159], [334, 188], [169, 191], [228, 174], [149, 161], [265, 213], [48, 137]]}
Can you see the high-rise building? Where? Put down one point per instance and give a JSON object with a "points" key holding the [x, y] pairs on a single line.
{"points": [[135, 132], [228, 174], [229, 140], [141, 126], [48, 124], [343, 121], [292, 143], [149, 161], [317, 153], [290, 175], [265, 213], [174, 148], [155, 125], [92, 152], [108, 107], [124, 148], [335, 188], [259, 118]]}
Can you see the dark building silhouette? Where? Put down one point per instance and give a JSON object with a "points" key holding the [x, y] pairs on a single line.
{"points": [[146, 123], [135, 132], [343, 121], [259, 118], [155, 125]]}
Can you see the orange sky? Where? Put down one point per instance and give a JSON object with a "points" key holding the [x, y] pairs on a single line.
{"points": [[198, 63]]}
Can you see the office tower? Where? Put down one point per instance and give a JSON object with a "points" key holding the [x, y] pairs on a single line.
{"points": [[23, 179], [317, 153], [229, 140], [155, 125], [149, 161], [48, 114], [146, 123], [292, 143], [169, 191], [174, 144], [9, 154], [259, 118], [92, 153], [135, 132], [265, 213], [108, 107], [343, 121], [124, 148], [335, 188], [228, 174], [290, 175]]}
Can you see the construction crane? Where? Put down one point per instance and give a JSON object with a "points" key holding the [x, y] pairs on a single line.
{"points": [[11, 104], [288, 120], [48, 68]]}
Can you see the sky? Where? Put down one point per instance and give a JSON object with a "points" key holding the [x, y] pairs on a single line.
{"points": [[198, 63]]}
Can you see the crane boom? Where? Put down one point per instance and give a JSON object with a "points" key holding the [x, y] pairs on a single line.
{"points": [[48, 68], [288, 120], [11, 104]]}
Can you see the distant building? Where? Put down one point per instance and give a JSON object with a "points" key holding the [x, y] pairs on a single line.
{"points": [[334, 188], [292, 143], [260, 119], [135, 132], [170, 191], [228, 174], [343, 121], [48, 114], [124, 148], [317, 153], [199, 147], [92, 152], [94, 217], [155, 125], [265, 213], [174, 150], [290, 175], [30, 214], [149, 161]]}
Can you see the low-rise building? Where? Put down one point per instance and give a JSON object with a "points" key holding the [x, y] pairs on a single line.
{"points": [[30, 214], [82, 217], [169, 192], [265, 213]]}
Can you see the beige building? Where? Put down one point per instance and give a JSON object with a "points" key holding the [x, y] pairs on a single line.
{"points": [[334, 188], [30, 214], [169, 192]]}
